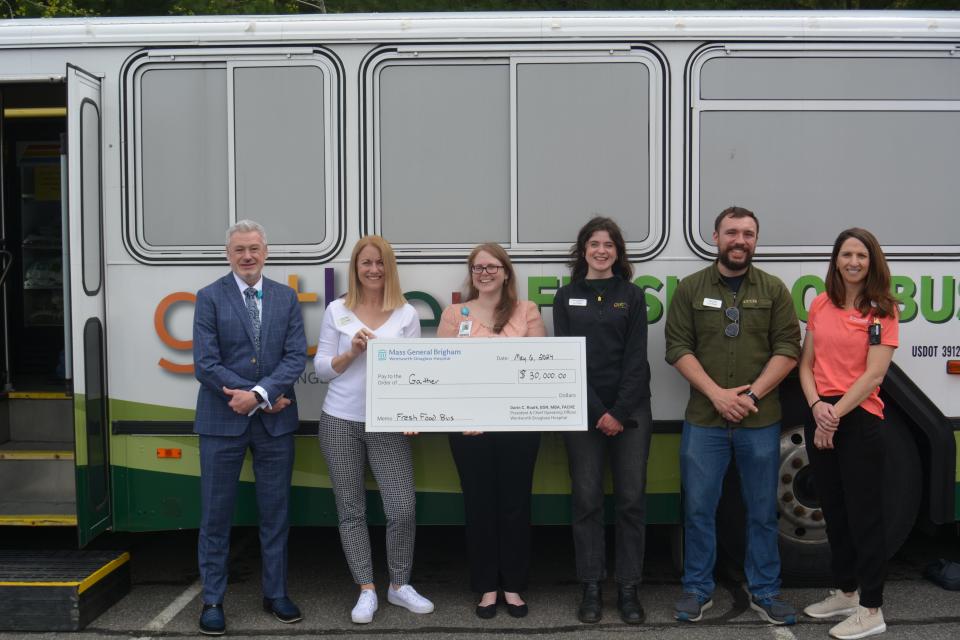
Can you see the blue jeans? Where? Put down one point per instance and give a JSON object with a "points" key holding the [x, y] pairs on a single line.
{"points": [[704, 457]]}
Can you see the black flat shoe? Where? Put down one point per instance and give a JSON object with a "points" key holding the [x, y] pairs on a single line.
{"points": [[518, 610], [486, 612]]}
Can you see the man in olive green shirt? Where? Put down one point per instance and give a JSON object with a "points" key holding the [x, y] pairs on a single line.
{"points": [[732, 332]]}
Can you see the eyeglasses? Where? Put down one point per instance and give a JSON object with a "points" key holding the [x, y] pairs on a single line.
{"points": [[492, 269], [733, 315]]}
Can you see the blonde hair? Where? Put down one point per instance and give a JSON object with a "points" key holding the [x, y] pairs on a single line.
{"points": [[392, 295]]}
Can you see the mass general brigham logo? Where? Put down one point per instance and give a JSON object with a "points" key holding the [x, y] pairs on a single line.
{"points": [[382, 354]]}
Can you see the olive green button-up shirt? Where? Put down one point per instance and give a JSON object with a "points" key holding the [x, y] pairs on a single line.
{"points": [[768, 327]]}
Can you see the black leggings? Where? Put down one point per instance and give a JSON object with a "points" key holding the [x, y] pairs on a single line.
{"points": [[849, 479]]}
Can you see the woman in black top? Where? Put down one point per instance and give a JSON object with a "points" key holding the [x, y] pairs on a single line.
{"points": [[602, 304]]}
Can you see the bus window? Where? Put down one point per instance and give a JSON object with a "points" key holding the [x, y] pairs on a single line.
{"points": [[519, 147], [584, 148], [444, 149], [183, 141], [223, 136], [279, 143], [807, 138], [830, 78], [91, 216]]}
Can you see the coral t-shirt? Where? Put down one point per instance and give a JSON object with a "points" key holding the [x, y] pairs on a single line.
{"points": [[840, 345]]}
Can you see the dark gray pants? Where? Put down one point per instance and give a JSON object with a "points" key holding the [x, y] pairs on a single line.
{"points": [[587, 453]]}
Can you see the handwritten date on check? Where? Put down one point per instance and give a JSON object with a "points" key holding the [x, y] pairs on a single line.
{"points": [[477, 384]]}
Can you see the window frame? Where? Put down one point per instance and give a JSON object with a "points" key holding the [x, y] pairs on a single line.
{"points": [[697, 106], [513, 55], [229, 60]]}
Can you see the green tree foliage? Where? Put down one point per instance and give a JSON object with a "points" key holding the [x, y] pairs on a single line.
{"points": [[59, 8], [49, 8]]}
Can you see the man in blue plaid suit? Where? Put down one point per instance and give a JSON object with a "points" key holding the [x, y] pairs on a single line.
{"points": [[248, 350]]}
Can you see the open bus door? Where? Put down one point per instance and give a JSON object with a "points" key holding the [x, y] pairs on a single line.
{"points": [[85, 297]]}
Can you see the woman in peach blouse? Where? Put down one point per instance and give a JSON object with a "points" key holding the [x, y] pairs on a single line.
{"points": [[496, 469]]}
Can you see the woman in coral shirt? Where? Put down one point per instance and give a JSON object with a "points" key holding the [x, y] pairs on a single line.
{"points": [[852, 332]]}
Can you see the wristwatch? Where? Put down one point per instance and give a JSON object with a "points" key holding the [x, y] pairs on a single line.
{"points": [[750, 394], [260, 397]]}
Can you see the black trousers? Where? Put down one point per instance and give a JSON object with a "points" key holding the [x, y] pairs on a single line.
{"points": [[849, 479], [496, 476]]}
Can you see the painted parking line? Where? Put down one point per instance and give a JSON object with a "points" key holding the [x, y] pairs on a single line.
{"points": [[173, 609], [782, 633]]}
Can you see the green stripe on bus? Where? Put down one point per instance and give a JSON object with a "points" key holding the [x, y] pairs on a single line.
{"points": [[956, 511], [126, 410], [152, 501], [432, 462]]}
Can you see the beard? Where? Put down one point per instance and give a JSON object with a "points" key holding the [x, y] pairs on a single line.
{"points": [[734, 265]]}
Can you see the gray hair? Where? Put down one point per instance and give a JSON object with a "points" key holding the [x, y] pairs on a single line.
{"points": [[246, 226]]}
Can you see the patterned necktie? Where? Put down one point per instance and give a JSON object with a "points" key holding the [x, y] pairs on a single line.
{"points": [[250, 294]]}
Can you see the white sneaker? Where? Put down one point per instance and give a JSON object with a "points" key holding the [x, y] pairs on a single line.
{"points": [[860, 625], [836, 604], [365, 608], [408, 598]]}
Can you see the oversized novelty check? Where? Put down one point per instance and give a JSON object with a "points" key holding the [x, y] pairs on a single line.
{"points": [[477, 384]]}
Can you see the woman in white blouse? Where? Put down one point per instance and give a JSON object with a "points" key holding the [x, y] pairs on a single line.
{"points": [[373, 307]]}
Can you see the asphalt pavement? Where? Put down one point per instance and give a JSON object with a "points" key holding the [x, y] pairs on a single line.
{"points": [[164, 600]]}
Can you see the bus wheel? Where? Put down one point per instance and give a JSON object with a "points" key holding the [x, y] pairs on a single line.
{"points": [[804, 550]]}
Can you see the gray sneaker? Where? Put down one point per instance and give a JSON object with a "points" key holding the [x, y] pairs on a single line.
{"points": [[860, 625], [774, 610], [690, 607], [836, 604]]}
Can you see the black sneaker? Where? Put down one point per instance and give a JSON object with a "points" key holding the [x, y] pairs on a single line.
{"points": [[774, 610], [690, 607]]}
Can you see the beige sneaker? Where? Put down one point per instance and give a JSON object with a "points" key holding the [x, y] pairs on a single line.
{"points": [[836, 604], [860, 625]]}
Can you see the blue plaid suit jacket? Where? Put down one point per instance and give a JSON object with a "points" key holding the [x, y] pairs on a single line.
{"points": [[224, 355]]}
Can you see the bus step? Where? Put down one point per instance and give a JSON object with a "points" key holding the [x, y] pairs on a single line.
{"points": [[59, 590], [37, 417], [38, 484]]}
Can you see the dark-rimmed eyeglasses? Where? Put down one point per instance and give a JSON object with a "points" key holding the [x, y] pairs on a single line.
{"points": [[492, 269], [732, 330]]}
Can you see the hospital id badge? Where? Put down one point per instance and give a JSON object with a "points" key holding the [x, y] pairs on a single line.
{"points": [[465, 327], [873, 333]]}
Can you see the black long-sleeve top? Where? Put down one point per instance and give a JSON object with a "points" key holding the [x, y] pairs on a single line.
{"points": [[615, 326]]}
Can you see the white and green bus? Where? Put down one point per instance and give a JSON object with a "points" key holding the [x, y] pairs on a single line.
{"points": [[131, 144]]}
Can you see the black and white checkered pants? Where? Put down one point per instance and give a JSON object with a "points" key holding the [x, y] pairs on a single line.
{"points": [[347, 447]]}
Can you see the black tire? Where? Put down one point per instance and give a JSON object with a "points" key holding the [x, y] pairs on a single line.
{"points": [[804, 551]]}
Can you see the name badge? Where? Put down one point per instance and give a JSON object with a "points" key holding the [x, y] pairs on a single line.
{"points": [[577, 302], [343, 321], [465, 327], [712, 302]]}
